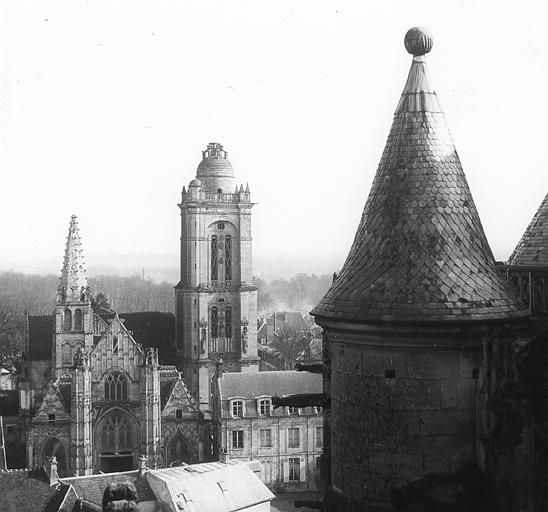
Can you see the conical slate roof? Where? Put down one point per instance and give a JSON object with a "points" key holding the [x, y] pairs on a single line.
{"points": [[532, 249], [73, 274], [420, 253]]}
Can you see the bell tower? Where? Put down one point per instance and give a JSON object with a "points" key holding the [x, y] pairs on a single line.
{"points": [[216, 302], [73, 312]]}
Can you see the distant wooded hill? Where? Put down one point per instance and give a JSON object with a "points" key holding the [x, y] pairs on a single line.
{"points": [[36, 294]]}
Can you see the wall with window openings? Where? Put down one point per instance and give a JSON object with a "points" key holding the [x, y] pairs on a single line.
{"points": [[287, 441]]}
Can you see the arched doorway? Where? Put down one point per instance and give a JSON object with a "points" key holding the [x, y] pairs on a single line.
{"points": [[54, 448], [177, 450], [116, 440]]}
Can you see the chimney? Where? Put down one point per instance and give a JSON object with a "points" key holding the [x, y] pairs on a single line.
{"points": [[142, 465], [53, 476]]}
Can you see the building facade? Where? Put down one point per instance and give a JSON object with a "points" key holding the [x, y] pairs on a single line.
{"points": [[92, 395], [419, 325], [216, 302], [286, 441]]}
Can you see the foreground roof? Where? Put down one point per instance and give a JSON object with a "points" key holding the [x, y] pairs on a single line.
{"points": [[214, 487], [532, 249], [23, 490], [420, 253], [91, 488], [250, 385]]}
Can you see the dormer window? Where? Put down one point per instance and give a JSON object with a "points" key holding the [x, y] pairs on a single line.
{"points": [[292, 411], [237, 408], [264, 406]]}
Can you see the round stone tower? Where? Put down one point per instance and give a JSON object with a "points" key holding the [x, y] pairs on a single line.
{"points": [[418, 325]]}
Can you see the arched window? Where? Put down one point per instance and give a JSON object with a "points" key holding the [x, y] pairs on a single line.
{"points": [[115, 387], [115, 345], [214, 322], [177, 450], [214, 259], [228, 258], [116, 434], [78, 320], [68, 320]]}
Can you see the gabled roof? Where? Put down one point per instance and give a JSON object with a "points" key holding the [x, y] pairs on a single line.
{"points": [[250, 385], [176, 397], [40, 333], [91, 488], [532, 249], [420, 253], [210, 487], [286, 322], [152, 329], [53, 403]]}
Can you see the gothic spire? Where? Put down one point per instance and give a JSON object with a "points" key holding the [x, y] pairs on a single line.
{"points": [[420, 253], [73, 284]]}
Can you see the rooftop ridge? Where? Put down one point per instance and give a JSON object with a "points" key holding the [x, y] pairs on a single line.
{"points": [[132, 472], [420, 254]]}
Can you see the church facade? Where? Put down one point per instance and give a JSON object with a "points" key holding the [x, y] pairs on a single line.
{"points": [[216, 301], [93, 394]]}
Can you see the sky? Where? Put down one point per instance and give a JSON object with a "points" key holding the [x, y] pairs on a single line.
{"points": [[105, 108]]}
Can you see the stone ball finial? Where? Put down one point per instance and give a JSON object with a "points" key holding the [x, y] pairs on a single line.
{"points": [[418, 41]]}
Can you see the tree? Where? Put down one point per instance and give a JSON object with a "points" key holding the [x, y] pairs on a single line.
{"points": [[289, 343], [12, 329], [100, 303]]}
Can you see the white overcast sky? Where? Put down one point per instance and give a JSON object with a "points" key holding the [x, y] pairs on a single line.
{"points": [[106, 107]]}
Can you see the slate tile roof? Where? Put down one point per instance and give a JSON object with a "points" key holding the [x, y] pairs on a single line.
{"points": [[532, 249], [420, 253], [91, 488], [152, 329], [22, 492], [40, 332], [250, 385]]}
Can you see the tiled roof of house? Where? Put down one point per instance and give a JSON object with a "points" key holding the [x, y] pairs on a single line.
{"points": [[286, 322], [280, 383], [22, 492], [420, 253], [40, 332], [532, 249], [91, 488]]}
